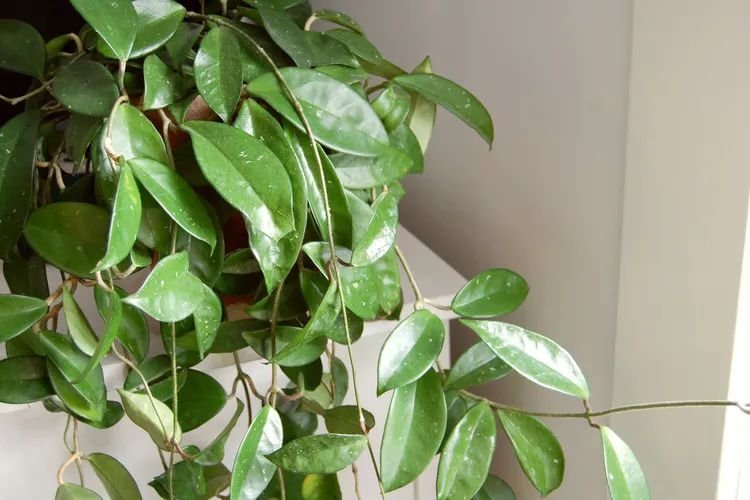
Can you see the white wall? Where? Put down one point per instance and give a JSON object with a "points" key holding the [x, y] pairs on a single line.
{"points": [[546, 201]]}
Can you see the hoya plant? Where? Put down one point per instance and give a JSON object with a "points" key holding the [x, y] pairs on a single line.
{"points": [[239, 167]]}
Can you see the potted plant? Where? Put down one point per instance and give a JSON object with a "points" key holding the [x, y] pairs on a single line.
{"points": [[243, 162]]}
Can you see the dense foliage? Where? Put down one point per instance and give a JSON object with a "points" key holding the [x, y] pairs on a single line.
{"points": [[236, 158]]}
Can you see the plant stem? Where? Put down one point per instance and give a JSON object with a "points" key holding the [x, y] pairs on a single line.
{"points": [[274, 321], [173, 357], [121, 77], [418, 297], [15, 100], [241, 377]]}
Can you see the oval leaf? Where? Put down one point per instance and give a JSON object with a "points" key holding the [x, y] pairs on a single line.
{"points": [[116, 479], [125, 222], [218, 71], [157, 22], [18, 313], [476, 366], [345, 420], [78, 325], [162, 85], [422, 119], [467, 454], [200, 399], [133, 334], [21, 48], [532, 355], [287, 35], [410, 350], [413, 430], [494, 292], [69, 491], [495, 488], [319, 454], [537, 449], [252, 470], [153, 416], [110, 334], [380, 234], [392, 106], [624, 474], [23, 379], [86, 87], [114, 20], [134, 136]]}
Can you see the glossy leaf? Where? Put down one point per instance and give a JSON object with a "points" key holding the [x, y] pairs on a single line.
{"points": [[247, 175], [413, 430], [327, 50], [112, 328], [78, 325], [207, 318], [466, 456], [78, 136], [495, 488], [422, 118], [162, 85], [392, 106], [153, 416], [157, 22], [494, 292], [134, 136], [403, 139], [339, 117], [321, 487], [380, 234], [315, 289], [53, 228], [336, 17], [344, 74], [17, 138], [133, 333], [452, 97], [252, 470], [345, 420], [624, 474], [70, 491], [188, 481], [113, 20], [86, 87], [23, 379], [18, 313], [537, 449], [200, 399], [358, 172], [534, 356], [410, 350], [308, 378], [320, 453], [306, 353], [125, 221], [176, 197], [218, 71], [358, 44], [206, 262], [476, 366], [116, 479], [214, 452], [287, 35], [21, 48], [181, 43], [170, 293]]}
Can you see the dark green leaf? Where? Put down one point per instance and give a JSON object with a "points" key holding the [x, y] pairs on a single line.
{"points": [[358, 172], [218, 71], [287, 35], [327, 50], [261, 343], [321, 487], [345, 420], [314, 287], [247, 175], [624, 474], [422, 118], [229, 337], [403, 139], [339, 117], [157, 22], [114, 20], [156, 225], [86, 87], [116, 479], [114, 318], [452, 97], [188, 482], [26, 276], [125, 222], [24, 379], [358, 44], [467, 454], [162, 85], [495, 488], [153, 416], [18, 313], [410, 350], [170, 293], [79, 327], [344, 74], [53, 229], [380, 234], [537, 449], [207, 318], [252, 470], [494, 292], [113, 413], [134, 333], [392, 106], [413, 431], [179, 46], [205, 262], [534, 356], [339, 380], [319, 454], [21, 48], [336, 17], [17, 138], [80, 132], [214, 452], [200, 399], [291, 304], [134, 136], [69, 491], [240, 261], [476, 366]]}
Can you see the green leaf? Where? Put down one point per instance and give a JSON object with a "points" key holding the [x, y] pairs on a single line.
{"points": [[413, 431], [405, 141], [358, 172], [392, 106], [21, 48], [111, 330], [114, 20], [537, 449], [86, 87], [18, 313], [339, 117], [336, 17], [476, 366], [26, 276], [452, 97], [200, 399], [308, 378], [113, 413], [344, 74], [53, 229], [276, 256], [494, 292], [176, 197], [23, 379], [306, 353], [80, 132], [214, 452], [252, 470], [170, 293], [153, 416], [495, 488], [206, 263], [116, 479], [410, 350], [134, 136], [345, 420], [467, 454], [218, 71], [162, 85], [17, 139], [64, 364], [327, 50], [69, 491], [134, 333], [422, 118], [125, 222], [380, 235], [246, 174], [188, 482], [624, 474], [321, 487], [534, 356], [287, 35], [79, 327], [319, 454], [315, 289], [207, 318], [157, 22], [358, 44]]}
